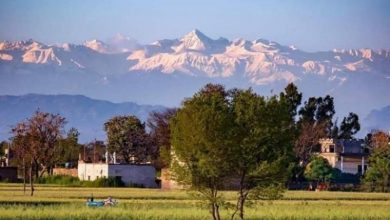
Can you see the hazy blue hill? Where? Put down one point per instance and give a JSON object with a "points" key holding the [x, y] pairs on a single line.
{"points": [[86, 114], [378, 119]]}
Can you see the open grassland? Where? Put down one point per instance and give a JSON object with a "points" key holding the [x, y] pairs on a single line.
{"points": [[51, 202]]}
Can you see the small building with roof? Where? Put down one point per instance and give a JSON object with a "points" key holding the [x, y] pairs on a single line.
{"points": [[131, 174], [349, 156]]}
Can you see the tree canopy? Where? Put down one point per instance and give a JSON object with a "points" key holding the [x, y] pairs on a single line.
{"points": [[127, 137], [220, 136]]}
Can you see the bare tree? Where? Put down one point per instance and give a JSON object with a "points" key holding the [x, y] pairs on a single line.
{"points": [[35, 140]]}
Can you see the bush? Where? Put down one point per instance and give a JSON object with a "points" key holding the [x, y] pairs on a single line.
{"points": [[105, 182], [65, 180]]}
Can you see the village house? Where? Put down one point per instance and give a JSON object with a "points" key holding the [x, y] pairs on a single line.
{"points": [[349, 156], [7, 172], [131, 174]]}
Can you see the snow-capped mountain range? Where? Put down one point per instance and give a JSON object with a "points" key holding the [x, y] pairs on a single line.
{"points": [[166, 71], [261, 61]]}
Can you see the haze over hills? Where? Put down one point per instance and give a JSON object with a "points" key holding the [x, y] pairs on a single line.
{"points": [[86, 114], [378, 119], [166, 71]]}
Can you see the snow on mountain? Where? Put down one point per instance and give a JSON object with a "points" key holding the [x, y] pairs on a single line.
{"points": [[260, 61], [90, 57], [97, 45]]}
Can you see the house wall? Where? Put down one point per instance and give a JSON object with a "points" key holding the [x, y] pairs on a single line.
{"points": [[66, 171], [9, 173], [134, 174], [92, 171], [350, 165]]}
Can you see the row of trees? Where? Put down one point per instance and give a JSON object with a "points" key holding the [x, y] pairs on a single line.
{"points": [[41, 142]]}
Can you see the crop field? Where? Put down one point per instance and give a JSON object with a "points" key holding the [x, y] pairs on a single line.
{"points": [[52, 202]]}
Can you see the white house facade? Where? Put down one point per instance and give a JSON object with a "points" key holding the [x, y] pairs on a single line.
{"points": [[140, 174]]}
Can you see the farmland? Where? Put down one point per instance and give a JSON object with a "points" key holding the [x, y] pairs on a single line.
{"points": [[53, 202]]}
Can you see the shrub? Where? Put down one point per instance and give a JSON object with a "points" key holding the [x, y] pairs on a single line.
{"points": [[64, 180], [105, 182]]}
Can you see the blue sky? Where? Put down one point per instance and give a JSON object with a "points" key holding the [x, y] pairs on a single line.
{"points": [[310, 25]]}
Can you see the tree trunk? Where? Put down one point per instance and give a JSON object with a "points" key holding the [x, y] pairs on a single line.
{"points": [[214, 204], [241, 199], [31, 180], [24, 177], [36, 170], [242, 202]]}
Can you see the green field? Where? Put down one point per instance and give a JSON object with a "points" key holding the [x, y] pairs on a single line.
{"points": [[51, 202]]}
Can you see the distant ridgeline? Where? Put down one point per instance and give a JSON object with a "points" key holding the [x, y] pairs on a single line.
{"points": [[86, 114]]}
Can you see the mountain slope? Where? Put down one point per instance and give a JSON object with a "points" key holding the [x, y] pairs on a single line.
{"points": [[378, 119], [86, 114]]}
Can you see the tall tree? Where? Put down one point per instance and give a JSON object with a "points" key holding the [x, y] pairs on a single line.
{"points": [[307, 142], [68, 148], [160, 133], [349, 126], [220, 136], [201, 130], [315, 122], [378, 173], [127, 137], [263, 139], [308, 111], [292, 97], [36, 140]]}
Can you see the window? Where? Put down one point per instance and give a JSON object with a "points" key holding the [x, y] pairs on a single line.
{"points": [[331, 148], [89, 178], [360, 169]]}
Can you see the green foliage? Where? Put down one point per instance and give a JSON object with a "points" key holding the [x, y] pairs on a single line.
{"points": [[222, 135], [349, 126], [201, 132], [68, 148], [63, 180], [378, 173], [319, 170], [292, 97], [66, 180], [318, 111], [105, 182], [128, 138]]}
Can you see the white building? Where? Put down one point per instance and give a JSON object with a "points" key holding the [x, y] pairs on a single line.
{"points": [[349, 156], [140, 174]]}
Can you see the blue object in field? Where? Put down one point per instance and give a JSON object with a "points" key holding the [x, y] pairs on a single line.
{"points": [[95, 203]]}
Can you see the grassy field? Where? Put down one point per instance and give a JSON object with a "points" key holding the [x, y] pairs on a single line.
{"points": [[51, 202]]}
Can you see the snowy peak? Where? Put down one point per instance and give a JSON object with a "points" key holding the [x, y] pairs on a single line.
{"points": [[197, 41], [97, 45]]}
